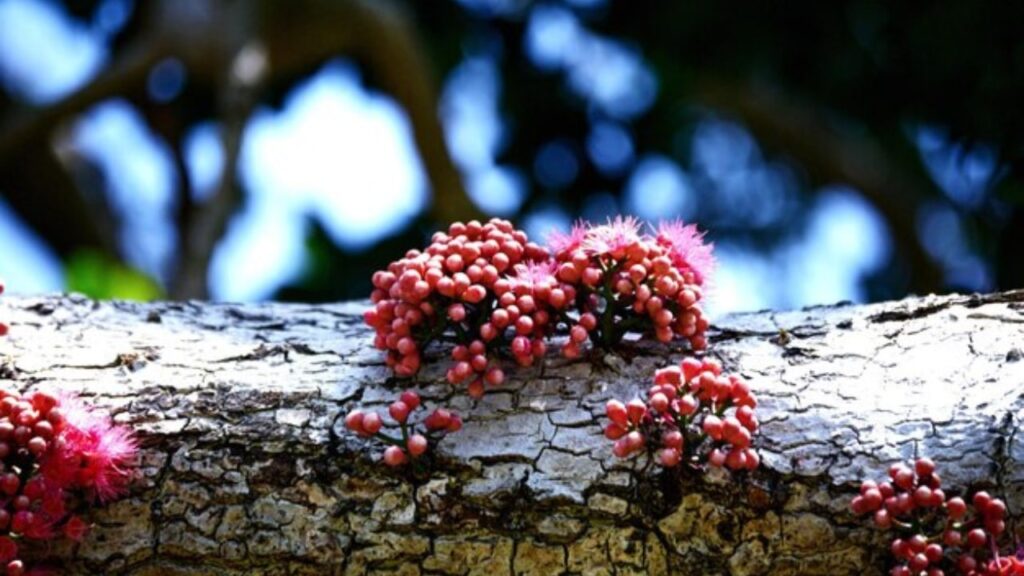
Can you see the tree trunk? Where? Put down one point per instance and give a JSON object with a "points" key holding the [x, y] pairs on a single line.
{"points": [[247, 468]]}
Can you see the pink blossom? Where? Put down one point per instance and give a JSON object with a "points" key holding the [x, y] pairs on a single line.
{"points": [[615, 237], [90, 452], [535, 274], [687, 248], [561, 243]]}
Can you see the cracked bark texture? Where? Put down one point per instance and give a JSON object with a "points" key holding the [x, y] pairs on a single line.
{"points": [[247, 468]]}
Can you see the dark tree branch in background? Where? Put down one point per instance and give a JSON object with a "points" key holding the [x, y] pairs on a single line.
{"points": [[833, 157], [210, 38], [208, 221], [47, 191]]}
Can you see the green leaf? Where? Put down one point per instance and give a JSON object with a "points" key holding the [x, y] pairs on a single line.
{"points": [[99, 276]]}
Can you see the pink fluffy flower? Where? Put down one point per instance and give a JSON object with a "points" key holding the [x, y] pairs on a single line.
{"points": [[687, 248], [562, 243], [535, 274], [91, 453], [614, 238]]}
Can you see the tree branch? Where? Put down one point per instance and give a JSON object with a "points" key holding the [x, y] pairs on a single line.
{"points": [[831, 156]]}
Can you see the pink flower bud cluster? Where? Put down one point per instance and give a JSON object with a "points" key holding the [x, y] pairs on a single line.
{"points": [[408, 444], [937, 534], [458, 289], [633, 282], [56, 456], [693, 414]]}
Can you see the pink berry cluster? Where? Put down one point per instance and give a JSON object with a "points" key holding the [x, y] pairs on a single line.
{"points": [[693, 414], [457, 289], [492, 293], [56, 456], [408, 444], [628, 281], [937, 534]]}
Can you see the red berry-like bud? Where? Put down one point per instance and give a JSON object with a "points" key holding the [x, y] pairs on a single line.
{"points": [[353, 420], [967, 564], [659, 402], [904, 478], [621, 448], [635, 440], [410, 399], [736, 459], [713, 427], [857, 505], [614, 431], [494, 377], [10, 483], [636, 410], [956, 507], [995, 508], [394, 456], [981, 501], [923, 496], [691, 368], [687, 405], [372, 423], [917, 543], [438, 419], [872, 500], [924, 466], [455, 425], [669, 457], [753, 459], [882, 519], [616, 412], [21, 521], [75, 528], [399, 411], [976, 538], [417, 445], [37, 446], [672, 439], [476, 389]]}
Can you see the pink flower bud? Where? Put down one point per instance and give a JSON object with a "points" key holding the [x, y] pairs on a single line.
{"points": [[399, 411], [669, 457], [411, 399], [438, 419], [394, 456], [372, 423], [671, 375], [616, 412], [712, 426], [672, 439], [476, 389], [354, 421], [417, 445], [659, 402], [636, 410], [614, 431]]}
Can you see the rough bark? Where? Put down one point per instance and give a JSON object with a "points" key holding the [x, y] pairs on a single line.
{"points": [[247, 468]]}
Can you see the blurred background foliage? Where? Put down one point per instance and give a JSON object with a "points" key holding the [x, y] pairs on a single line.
{"points": [[257, 149]]}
